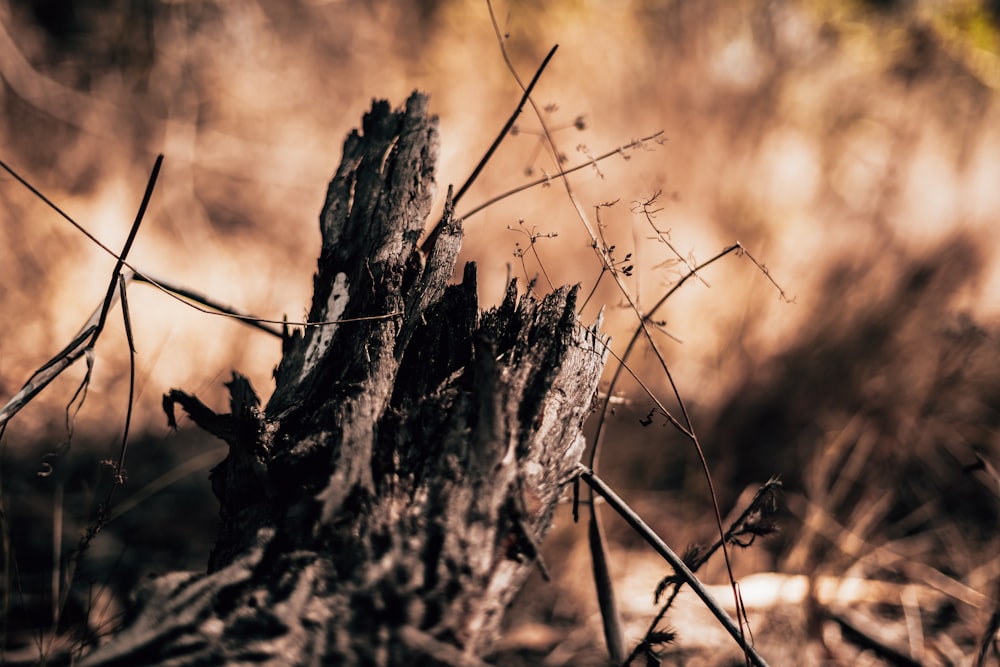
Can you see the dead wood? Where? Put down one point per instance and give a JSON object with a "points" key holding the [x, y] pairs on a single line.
{"points": [[386, 503]]}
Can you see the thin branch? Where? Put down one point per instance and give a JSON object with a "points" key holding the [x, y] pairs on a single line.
{"points": [[600, 579], [644, 207], [120, 263], [693, 272], [622, 360], [548, 178], [603, 254], [120, 466], [116, 290], [682, 570], [179, 293], [533, 235], [48, 202], [614, 634], [612, 622], [77, 347], [767, 274], [84, 342], [211, 306], [506, 128], [51, 369], [755, 521]]}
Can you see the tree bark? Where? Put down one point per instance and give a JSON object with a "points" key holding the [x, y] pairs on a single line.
{"points": [[386, 504]]}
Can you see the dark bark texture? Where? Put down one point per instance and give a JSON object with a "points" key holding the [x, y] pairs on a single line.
{"points": [[386, 504]]}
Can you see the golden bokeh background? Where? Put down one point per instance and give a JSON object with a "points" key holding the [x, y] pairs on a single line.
{"points": [[852, 147]]}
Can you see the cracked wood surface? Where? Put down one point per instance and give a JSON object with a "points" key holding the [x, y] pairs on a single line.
{"points": [[384, 506]]}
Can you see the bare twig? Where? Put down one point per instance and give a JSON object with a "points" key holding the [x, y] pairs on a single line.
{"points": [[682, 570], [181, 294], [638, 143], [506, 128], [532, 235], [606, 261], [120, 263], [612, 264], [611, 622], [693, 272], [120, 465], [608, 613], [191, 299], [756, 520], [211, 306], [48, 202], [116, 290], [649, 213], [614, 635], [51, 369]]}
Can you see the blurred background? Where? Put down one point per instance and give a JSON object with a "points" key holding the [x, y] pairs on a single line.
{"points": [[852, 147]]}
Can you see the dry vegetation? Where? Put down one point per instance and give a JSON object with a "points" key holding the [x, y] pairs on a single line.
{"points": [[852, 145]]}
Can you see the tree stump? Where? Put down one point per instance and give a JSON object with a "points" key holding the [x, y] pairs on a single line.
{"points": [[386, 504]]}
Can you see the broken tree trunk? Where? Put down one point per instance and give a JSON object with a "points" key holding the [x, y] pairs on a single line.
{"points": [[385, 505]]}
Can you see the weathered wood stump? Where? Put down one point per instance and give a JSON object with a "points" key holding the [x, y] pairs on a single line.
{"points": [[385, 505]]}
